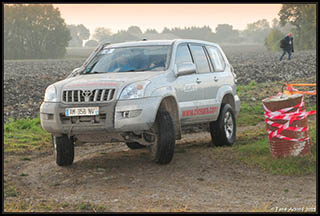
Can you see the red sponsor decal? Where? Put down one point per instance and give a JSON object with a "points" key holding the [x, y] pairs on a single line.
{"points": [[199, 111]]}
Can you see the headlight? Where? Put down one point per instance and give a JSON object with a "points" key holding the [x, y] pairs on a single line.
{"points": [[51, 94], [134, 90]]}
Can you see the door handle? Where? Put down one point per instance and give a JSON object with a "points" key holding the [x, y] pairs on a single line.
{"points": [[215, 79], [198, 81]]}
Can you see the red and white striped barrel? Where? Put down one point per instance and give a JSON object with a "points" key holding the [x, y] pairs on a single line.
{"points": [[287, 125]]}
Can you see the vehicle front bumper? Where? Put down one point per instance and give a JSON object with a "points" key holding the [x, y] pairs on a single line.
{"points": [[115, 116]]}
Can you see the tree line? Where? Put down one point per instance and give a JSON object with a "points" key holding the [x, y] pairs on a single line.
{"points": [[34, 31], [38, 31], [224, 33]]}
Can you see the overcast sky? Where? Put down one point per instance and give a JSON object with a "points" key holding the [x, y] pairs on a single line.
{"points": [[157, 16]]}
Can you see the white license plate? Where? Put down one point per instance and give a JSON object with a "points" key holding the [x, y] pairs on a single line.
{"points": [[82, 111]]}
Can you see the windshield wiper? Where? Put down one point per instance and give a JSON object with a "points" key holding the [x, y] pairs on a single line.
{"points": [[94, 72], [136, 70]]}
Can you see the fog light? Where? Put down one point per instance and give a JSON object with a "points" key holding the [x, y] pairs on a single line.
{"points": [[125, 114], [131, 114], [135, 113]]}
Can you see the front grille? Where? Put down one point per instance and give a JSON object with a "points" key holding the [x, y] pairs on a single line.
{"points": [[97, 95]]}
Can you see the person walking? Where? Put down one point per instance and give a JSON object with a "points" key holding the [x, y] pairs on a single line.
{"points": [[287, 46]]}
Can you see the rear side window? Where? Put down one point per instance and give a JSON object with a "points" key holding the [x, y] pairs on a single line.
{"points": [[200, 59], [183, 55], [217, 59]]}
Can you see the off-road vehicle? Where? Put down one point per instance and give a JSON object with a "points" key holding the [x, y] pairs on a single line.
{"points": [[142, 93]]}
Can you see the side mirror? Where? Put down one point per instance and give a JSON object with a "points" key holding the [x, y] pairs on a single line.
{"points": [[185, 69]]}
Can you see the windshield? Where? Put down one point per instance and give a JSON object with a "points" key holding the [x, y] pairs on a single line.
{"points": [[130, 59]]}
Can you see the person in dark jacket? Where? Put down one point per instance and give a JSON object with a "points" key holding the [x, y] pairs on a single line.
{"points": [[287, 46]]}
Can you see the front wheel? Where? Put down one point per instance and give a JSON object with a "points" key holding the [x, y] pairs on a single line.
{"points": [[223, 131], [63, 150], [163, 149]]}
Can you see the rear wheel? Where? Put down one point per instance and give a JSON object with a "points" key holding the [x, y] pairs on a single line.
{"points": [[63, 150], [163, 149], [223, 131], [135, 145]]}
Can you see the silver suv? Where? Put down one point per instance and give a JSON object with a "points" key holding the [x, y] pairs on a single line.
{"points": [[142, 93]]}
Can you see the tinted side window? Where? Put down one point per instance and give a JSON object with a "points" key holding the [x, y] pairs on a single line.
{"points": [[183, 55], [217, 59], [200, 59]]}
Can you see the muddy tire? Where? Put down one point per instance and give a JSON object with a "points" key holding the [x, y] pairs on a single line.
{"points": [[163, 149], [223, 131], [63, 150], [134, 145]]}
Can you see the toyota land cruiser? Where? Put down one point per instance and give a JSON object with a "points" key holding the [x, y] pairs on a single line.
{"points": [[142, 93]]}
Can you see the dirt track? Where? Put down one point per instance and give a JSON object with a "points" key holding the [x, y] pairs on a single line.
{"points": [[200, 178]]}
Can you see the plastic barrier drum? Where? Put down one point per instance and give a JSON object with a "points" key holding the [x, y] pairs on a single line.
{"points": [[287, 125]]}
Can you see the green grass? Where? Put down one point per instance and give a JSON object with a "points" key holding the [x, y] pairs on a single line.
{"points": [[250, 114], [25, 135], [245, 88], [10, 191], [251, 111], [253, 149], [84, 206], [251, 135], [310, 107]]}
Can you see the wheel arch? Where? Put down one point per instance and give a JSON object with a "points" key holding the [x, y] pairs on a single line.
{"points": [[229, 99], [170, 104], [225, 96]]}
